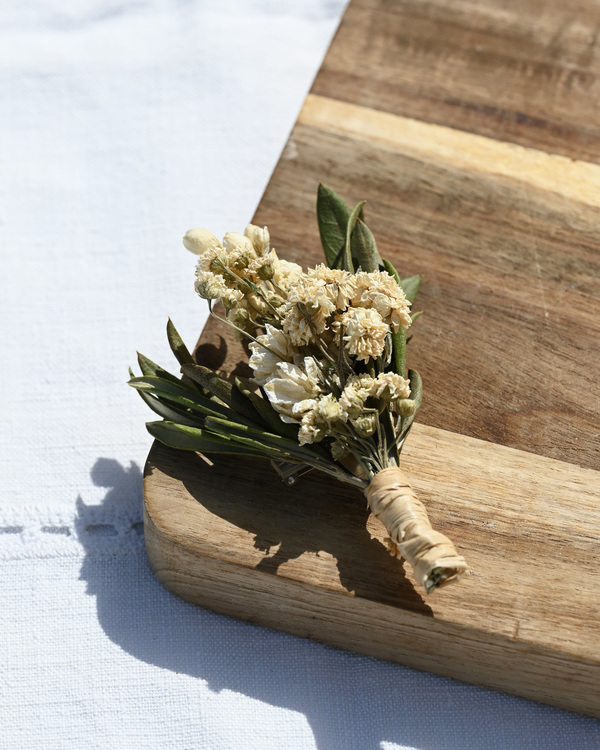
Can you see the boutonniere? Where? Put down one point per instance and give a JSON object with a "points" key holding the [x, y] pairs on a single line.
{"points": [[330, 389]]}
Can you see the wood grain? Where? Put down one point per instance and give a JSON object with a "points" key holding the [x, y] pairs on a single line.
{"points": [[473, 130], [574, 180], [309, 561], [508, 344], [525, 72]]}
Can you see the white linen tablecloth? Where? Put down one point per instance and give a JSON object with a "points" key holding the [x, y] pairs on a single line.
{"points": [[122, 124]]}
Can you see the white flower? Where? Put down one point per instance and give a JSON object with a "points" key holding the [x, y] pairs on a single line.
{"points": [[286, 274], [209, 285], [391, 386], [339, 285], [259, 263], [357, 390], [259, 238], [380, 291], [308, 308], [212, 286], [365, 424], [365, 333], [239, 316], [239, 249], [292, 390], [311, 430], [264, 362], [329, 411], [198, 241]]}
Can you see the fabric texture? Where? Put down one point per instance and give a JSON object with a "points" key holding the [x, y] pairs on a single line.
{"points": [[122, 124]]}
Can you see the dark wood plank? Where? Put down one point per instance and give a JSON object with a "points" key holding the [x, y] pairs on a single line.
{"points": [[508, 344], [526, 72]]}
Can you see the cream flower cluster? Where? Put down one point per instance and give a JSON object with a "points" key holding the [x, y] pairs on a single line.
{"points": [[296, 388], [243, 273], [318, 325], [365, 307]]}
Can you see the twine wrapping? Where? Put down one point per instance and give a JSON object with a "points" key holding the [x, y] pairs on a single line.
{"points": [[432, 555]]}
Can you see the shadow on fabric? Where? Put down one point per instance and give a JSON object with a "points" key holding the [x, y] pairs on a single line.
{"points": [[349, 701]]}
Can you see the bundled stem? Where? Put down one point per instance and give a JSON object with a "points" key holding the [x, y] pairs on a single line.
{"points": [[432, 555]]}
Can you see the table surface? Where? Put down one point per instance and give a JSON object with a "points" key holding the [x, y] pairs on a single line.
{"points": [[122, 127]]}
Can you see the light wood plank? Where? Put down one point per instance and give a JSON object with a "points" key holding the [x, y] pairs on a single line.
{"points": [[307, 560], [455, 149]]}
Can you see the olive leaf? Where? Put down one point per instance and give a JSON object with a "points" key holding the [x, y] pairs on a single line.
{"points": [[184, 437], [348, 264], [178, 396], [332, 217], [209, 381], [268, 414], [411, 285], [150, 368], [178, 348], [416, 394], [398, 338], [364, 248]]}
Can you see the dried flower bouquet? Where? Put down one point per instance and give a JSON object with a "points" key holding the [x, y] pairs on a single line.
{"points": [[329, 389]]}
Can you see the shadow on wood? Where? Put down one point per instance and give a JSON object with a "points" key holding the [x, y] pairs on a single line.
{"points": [[319, 520]]}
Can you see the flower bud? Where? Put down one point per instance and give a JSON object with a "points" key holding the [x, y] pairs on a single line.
{"points": [[240, 317], [405, 407], [266, 272], [257, 303], [236, 242], [218, 263], [259, 238], [328, 410], [366, 424], [208, 287], [198, 241], [241, 261], [337, 450]]}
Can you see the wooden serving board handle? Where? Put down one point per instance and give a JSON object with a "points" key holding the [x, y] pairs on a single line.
{"points": [[475, 136]]}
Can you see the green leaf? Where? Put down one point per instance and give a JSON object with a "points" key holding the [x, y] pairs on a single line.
{"points": [[411, 286], [245, 407], [150, 368], [416, 388], [153, 382], [235, 431], [416, 394], [269, 416], [271, 441], [387, 265], [170, 412], [416, 315], [398, 338], [180, 396], [364, 248], [195, 439], [347, 264], [178, 348], [271, 446], [332, 216], [209, 380]]}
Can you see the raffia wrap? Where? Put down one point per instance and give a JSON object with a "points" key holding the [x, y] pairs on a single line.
{"points": [[393, 502]]}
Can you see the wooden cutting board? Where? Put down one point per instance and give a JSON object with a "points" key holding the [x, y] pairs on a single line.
{"points": [[473, 129]]}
